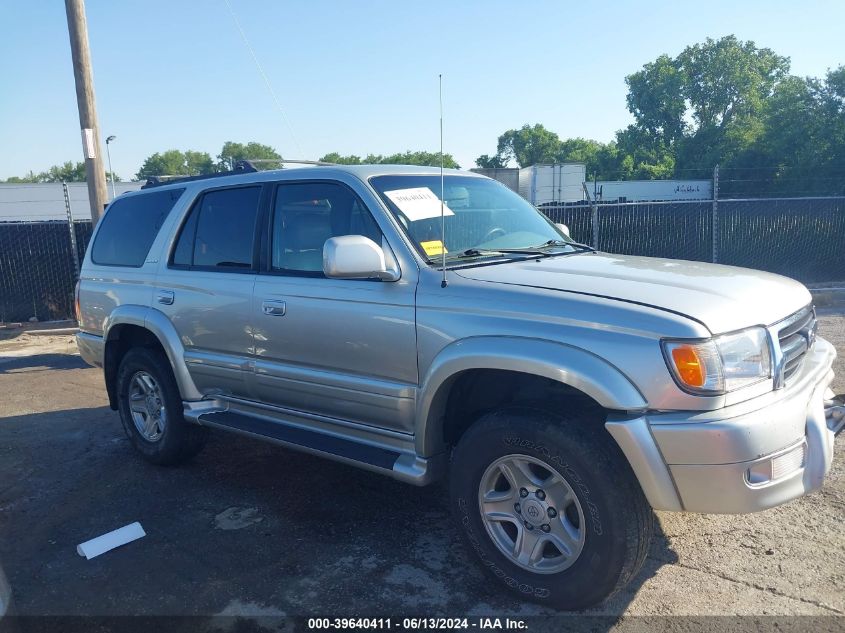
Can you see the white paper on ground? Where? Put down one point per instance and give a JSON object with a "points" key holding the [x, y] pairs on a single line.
{"points": [[418, 203], [106, 542]]}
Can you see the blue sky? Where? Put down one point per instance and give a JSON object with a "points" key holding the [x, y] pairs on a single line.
{"points": [[358, 77]]}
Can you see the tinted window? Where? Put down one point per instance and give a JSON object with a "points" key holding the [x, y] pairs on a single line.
{"points": [[184, 253], [307, 214], [220, 230], [129, 227]]}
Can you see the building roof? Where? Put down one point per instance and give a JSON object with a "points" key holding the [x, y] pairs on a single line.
{"points": [[36, 202]]}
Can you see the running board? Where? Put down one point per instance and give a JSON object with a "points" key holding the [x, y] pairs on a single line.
{"points": [[364, 455]]}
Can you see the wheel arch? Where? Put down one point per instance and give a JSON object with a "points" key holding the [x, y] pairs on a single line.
{"points": [[578, 370], [133, 325]]}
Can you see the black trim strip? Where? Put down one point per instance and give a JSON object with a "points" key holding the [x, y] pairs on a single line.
{"points": [[380, 457]]}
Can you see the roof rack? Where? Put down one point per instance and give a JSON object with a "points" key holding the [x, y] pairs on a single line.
{"points": [[241, 167], [294, 161]]}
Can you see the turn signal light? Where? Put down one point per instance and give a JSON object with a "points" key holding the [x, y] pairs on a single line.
{"points": [[690, 367]]}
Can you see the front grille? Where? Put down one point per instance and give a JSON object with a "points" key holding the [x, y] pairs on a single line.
{"points": [[796, 335]]}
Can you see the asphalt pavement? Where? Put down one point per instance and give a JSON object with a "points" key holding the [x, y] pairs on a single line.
{"points": [[253, 529]]}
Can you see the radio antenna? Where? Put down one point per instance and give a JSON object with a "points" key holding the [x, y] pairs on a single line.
{"points": [[443, 281]]}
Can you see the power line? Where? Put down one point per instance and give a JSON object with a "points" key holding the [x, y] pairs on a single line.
{"points": [[264, 76]]}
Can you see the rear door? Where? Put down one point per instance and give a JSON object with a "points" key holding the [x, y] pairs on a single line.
{"points": [[206, 287]]}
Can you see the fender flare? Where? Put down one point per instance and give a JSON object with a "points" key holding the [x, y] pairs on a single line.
{"points": [[567, 364], [160, 326]]}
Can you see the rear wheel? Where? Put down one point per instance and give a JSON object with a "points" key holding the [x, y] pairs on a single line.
{"points": [[550, 506], [151, 409]]}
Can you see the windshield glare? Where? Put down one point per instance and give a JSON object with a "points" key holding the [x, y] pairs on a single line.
{"points": [[481, 214]]}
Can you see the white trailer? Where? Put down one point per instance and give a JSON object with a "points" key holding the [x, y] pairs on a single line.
{"points": [[508, 176], [635, 190], [548, 184]]}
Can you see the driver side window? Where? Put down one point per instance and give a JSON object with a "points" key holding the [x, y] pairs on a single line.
{"points": [[305, 215]]}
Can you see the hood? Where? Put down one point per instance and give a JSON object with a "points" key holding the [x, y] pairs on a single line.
{"points": [[723, 298]]}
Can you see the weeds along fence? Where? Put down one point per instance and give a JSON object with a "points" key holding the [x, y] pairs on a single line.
{"points": [[797, 237]]}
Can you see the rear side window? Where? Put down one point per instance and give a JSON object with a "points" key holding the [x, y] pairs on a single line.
{"points": [[220, 230], [127, 231]]}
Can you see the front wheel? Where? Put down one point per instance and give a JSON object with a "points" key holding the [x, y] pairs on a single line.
{"points": [[550, 506]]}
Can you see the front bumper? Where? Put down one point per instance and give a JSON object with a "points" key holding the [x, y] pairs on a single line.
{"points": [[742, 458]]}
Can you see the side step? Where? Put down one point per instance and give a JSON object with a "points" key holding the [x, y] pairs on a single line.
{"points": [[304, 439]]}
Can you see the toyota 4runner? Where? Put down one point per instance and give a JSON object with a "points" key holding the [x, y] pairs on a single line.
{"points": [[564, 392]]}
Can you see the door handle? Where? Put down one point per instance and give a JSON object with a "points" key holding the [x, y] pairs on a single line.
{"points": [[165, 297], [272, 307]]}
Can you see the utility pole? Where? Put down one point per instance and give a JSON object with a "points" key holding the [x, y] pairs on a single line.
{"points": [[95, 174]]}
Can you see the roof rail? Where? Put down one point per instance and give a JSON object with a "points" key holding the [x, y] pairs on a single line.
{"points": [[241, 167], [294, 161]]}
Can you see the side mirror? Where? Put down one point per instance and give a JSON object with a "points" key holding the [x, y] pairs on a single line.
{"points": [[563, 229], [355, 257]]}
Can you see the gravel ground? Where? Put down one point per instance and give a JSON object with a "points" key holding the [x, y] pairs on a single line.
{"points": [[249, 528]]}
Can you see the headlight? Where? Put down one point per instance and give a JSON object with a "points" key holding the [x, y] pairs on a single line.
{"points": [[720, 364]]}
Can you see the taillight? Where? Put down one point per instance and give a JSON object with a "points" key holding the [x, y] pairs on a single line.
{"points": [[76, 308]]}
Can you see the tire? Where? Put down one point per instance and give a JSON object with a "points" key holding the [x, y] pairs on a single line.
{"points": [[585, 551], [145, 378]]}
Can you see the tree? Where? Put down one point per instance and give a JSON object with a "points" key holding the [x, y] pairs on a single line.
{"points": [[490, 162], [339, 159], [802, 147], [600, 159], [66, 172], [703, 107], [233, 152], [529, 145], [402, 158], [431, 159], [29, 177], [177, 163]]}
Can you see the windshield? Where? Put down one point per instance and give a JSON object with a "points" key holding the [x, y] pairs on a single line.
{"points": [[481, 215]]}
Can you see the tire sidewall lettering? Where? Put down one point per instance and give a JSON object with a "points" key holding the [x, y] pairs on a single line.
{"points": [[567, 470], [510, 581]]}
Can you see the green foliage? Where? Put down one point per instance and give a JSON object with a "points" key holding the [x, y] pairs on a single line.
{"points": [[703, 107], [403, 158], [532, 145], [724, 102], [528, 146], [233, 152], [490, 162], [339, 159], [29, 177], [66, 172], [174, 162]]}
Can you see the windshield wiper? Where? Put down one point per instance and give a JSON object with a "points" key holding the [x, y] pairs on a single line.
{"points": [[530, 251], [575, 245], [497, 252]]}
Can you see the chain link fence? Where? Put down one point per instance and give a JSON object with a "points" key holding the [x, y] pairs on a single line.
{"points": [[39, 257], [797, 237]]}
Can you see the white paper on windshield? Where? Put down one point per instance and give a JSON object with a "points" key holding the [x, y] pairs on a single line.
{"points": [[418, 203]]}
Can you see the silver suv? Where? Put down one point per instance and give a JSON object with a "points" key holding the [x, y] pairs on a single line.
{"points": [[564, 392]]}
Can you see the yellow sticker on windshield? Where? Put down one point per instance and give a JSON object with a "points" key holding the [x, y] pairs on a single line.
{"points": [[434, 247]]}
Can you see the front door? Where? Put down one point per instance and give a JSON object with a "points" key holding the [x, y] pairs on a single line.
{"points": [[341, 348]]}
